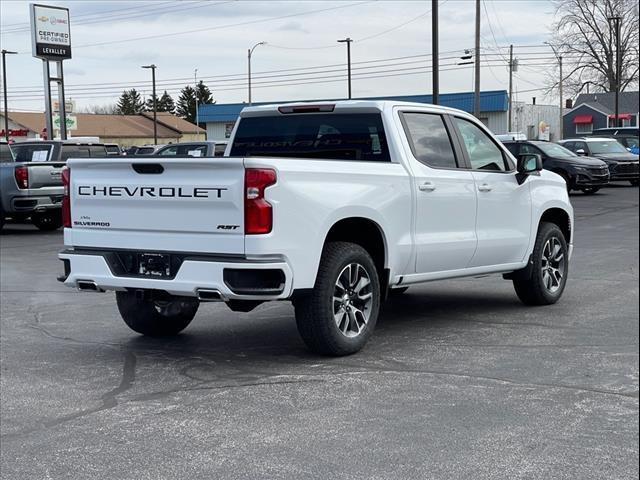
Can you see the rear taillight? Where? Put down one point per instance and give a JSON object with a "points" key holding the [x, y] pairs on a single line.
{"points": [[22, 177], [258, 213], [66, 200]]}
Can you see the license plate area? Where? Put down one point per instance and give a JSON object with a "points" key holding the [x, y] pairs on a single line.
{"points": [[154, 265]]}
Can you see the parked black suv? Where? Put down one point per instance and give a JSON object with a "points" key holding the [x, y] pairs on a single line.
{"points": [[580, 173], [623, 166]]}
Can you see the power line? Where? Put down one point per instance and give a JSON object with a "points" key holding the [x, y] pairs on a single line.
{"points": [[186, 5], [220, 27]]}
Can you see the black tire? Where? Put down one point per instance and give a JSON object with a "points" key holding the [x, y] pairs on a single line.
{"points": [[397, 292], [531, 284], [318, 314], [590, 190], [634, 183], [156, 318], [47, 221]]}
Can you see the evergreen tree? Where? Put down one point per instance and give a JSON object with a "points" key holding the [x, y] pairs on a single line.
{"points": [[186, 106], [164, 104], [130, 103]]}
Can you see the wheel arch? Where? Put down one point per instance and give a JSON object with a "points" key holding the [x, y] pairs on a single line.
{"points": [[362, 231], [561, 218]]}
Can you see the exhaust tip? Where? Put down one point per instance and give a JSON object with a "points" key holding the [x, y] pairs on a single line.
{"points": [[88, 286], [206, 295]]}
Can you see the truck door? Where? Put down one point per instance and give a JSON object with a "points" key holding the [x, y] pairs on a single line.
{"points": [[445, 204], [503, 223]]}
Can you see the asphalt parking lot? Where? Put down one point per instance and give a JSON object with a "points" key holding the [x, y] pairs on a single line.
{"points": [[460, 380]]}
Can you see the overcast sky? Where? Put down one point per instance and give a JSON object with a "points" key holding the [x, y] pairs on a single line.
{"points": [[213, 36]]}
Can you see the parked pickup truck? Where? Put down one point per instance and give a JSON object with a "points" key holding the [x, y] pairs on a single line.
{"points": [[331, 206], [31, 182]]}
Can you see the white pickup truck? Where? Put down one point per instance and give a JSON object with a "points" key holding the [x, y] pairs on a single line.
{"points": [[332, 206]]}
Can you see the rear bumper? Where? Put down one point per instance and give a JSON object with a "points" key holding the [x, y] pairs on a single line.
{"points": [[194, 276], [34, 203]]}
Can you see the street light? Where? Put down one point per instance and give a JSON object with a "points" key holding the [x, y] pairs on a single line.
{"points": [[348, 42], [249, 53], [559, 57], [155, 107], [4, 85]]}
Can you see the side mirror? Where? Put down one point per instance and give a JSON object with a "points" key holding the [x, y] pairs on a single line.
{"points": [[529, 163], [580, 151]]}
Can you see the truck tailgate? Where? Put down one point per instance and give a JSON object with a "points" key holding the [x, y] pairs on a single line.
{"points": [[157, 204], [45, 174]]}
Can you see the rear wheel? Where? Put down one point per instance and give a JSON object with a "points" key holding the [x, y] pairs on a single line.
{"points": [[156, 317], [340, 313], [590, 190], [544, 280], [47, 221]]}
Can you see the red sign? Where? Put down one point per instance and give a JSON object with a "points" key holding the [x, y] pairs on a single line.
{"points": [[18, 132]]}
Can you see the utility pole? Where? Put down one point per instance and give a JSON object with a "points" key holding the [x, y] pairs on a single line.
{"points": [[510, 87], [4, 92], [476, 95], [155, 104], [618, 74], [560, 82], [348, 42], [435, 64], [195, 81], [249, 54]]}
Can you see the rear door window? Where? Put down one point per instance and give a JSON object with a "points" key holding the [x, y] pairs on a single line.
{"points": [[83, 151], [32, 153], [336, 136], [219, 149], [429, 139]]}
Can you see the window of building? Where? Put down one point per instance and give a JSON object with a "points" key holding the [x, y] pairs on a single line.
{"points": [[582, 128]]}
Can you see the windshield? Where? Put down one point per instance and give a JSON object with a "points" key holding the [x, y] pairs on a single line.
{"points": [[606, 146], [31, 152], [334, 136], [555, 150]]}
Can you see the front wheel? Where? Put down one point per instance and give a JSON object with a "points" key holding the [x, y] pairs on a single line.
{"points": [[47, 221], [546, 277], [339, 315], [590, 190], [156, 317]]}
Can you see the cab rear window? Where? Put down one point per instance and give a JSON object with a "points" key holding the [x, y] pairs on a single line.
{"points": [[356, 137]]}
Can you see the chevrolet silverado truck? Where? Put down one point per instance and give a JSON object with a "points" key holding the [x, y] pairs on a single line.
{"points": [[330, 206], [31, 181]]}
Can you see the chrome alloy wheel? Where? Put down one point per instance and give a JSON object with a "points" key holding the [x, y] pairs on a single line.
{"points": [[352, 300], [553, 265]]}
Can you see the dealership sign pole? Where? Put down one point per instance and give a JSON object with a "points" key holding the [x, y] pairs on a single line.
{"points": [[51, 41]]}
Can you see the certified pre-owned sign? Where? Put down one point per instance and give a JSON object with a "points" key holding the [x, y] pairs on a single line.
{"points": [[50, 33]]}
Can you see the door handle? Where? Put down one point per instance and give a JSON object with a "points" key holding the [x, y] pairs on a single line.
{"points": [[484, 187], [427, 187]]}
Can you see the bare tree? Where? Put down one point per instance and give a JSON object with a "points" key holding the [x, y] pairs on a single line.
{"points": [[587, 40], [109, 108]]}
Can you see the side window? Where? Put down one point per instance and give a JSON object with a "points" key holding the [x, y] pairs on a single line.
{"points": [[219, 149], [570, 146], [429, 140], [483, 153], [513, 148], [169, 152], [582, 146], [526, 148]]}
